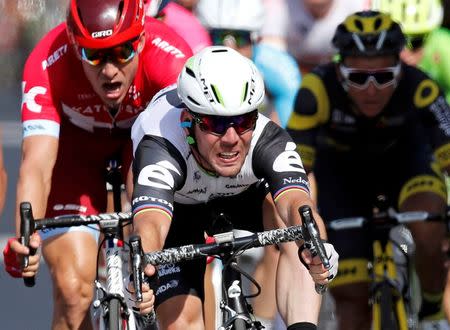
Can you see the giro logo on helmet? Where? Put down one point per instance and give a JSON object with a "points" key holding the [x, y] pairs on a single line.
{"points": [[102, 34]]}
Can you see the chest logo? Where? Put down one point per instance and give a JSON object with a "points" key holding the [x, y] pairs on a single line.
{"points": [[289, 160], [158, 175]]}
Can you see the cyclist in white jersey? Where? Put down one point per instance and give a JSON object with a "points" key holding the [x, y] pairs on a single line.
{"points": [[201, 147]]}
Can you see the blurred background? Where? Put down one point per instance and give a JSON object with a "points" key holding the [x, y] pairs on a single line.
{"points": [[22, 24]]}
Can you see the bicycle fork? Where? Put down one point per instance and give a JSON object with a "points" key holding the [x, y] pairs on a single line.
{"points": [[384, 269], [114, 286]]}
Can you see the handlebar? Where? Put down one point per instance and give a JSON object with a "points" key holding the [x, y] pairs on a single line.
{"points": [[227, 242], [28, 225], [393, 218]]}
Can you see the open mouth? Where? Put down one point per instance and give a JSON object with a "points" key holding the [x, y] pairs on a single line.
{"points": [[112, 90], [228, 155]]}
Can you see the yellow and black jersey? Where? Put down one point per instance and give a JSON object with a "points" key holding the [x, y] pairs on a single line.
{"points": [[324, 117]]}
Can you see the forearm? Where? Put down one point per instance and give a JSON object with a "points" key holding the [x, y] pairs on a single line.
{"points": [[33, 186], [288, 206], [3, 185], [152, 227], [296, 296]]}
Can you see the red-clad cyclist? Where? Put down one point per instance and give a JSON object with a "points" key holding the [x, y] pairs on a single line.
{"points": [[83, 86]]}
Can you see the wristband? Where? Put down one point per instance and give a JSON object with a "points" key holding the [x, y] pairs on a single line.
{"points": [[302, 326]]}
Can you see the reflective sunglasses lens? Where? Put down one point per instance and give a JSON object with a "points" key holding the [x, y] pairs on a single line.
{"points": [[219, 124], [123, 53], [214, 124], [245, 122], [92, 56], [119, 54]]}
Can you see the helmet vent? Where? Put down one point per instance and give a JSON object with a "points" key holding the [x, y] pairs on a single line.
{"points": [[244, 95], [359, 25], [193, 101], [219, 51], [79, 15], [213, 88], [119, 13], [190, 72], [377, 23]]}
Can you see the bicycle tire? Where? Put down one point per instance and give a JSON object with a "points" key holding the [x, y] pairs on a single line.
{"points": [[114, 318], [239, 324], [388, 320]]}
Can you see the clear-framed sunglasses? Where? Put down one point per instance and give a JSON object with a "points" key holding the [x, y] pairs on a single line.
{"points": [[360, 79]]}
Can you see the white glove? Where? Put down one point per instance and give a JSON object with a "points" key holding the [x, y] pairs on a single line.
{"points": [[331, 253], [333, 258]]}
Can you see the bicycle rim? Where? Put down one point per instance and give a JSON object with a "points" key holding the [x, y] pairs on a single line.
{"points": [[114, 318]]}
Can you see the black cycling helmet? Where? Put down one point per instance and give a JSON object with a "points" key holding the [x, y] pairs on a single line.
{"points": [[368, 33]]}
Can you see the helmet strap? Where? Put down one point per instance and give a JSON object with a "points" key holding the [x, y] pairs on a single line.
{"points": [[190, 139]]}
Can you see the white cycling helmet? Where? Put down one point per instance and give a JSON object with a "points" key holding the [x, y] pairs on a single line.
{"points": [[220, 81], [417, 17], [245, 15]]}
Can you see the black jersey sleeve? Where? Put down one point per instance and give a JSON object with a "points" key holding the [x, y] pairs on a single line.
{"points": [[159, 170], [311, 110], [276, 160], [435, 116]]}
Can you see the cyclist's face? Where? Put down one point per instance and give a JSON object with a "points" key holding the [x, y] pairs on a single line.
{"points": [[224, 154], [371, 100], [111, 79]]}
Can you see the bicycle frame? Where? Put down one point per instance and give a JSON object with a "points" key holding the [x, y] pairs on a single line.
{"points": [[384, 277], [110, 225], [233, 305], [113, 254]]}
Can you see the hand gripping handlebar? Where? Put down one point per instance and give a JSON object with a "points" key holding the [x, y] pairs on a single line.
{"points": [[312, 237]]}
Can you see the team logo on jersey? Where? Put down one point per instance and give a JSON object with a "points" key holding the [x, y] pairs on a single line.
{"points": [[197, 176], [168, 48], [29, 98], [158, 175], [57, 54], [289, 160]]}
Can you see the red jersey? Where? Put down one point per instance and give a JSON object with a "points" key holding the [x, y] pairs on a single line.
{"points": [[55, 86]]}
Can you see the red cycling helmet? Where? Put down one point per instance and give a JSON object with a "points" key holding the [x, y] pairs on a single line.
{"points": [[104, 23]]}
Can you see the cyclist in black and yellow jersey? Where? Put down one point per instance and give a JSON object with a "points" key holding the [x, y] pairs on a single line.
{"points": [[368, 124]]}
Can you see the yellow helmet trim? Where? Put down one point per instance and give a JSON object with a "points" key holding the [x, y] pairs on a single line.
{"points": [[367, 25]]}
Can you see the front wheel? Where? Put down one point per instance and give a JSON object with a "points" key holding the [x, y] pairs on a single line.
{"points": [[388, 319], [114, 316], [239, 324]]}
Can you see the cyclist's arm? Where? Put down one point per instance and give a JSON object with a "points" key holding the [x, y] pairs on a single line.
{"points": [[39, 154], [276, 160], [435, 116], [158, 170], [41, 125]]}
